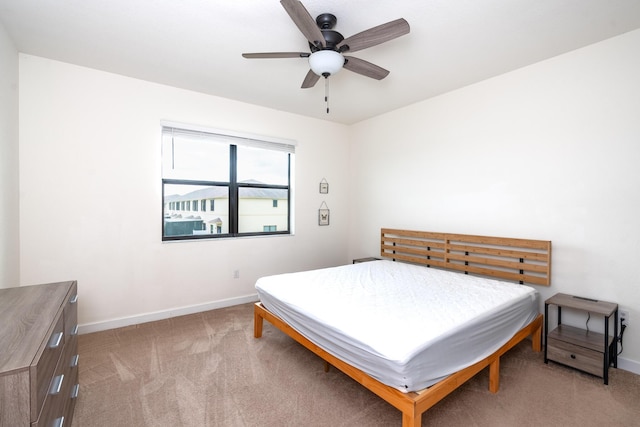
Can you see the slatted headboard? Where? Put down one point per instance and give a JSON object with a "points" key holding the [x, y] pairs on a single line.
{"points": [[519, 260]]}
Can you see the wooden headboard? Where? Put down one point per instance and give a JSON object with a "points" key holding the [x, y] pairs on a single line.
{"points": [[518, 260]]}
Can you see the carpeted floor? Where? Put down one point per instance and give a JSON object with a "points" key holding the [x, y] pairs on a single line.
{"points": [[207, 369]]}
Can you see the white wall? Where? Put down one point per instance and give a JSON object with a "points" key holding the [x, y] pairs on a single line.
{"points": [[91, 194], [9, 206], [550, 151]]}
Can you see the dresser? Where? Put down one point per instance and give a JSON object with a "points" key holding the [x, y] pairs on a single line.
{"points": [[38, 355]]}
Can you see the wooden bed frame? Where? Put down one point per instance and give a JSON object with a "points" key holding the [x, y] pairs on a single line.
{"points": [[520, 260]]}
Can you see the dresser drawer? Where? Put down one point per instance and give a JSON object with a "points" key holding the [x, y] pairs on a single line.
{"points": [[71, 314], [46, 365], [70, 359], [60, 402], [55, 398], [74, 386], [575, 356]]}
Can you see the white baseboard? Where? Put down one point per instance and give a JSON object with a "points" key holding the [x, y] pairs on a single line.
{"points": [[629, 365], [161, 315]]}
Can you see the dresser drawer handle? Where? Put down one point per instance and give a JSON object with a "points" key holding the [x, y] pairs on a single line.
{"points": [[58, 422], [56, 385], [76, 391], [55, 340], [74, 360], [75, 330], [573, 356], [73, 299]]}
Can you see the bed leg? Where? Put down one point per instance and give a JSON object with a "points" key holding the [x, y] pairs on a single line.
{"points": [[411, 419], [258, 321], [494, 375], [536, 339]]}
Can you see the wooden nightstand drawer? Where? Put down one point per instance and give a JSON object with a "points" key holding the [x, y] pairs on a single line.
{"points": [[575, 356]]}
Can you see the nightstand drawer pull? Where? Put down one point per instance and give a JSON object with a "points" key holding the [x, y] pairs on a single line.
{"points": [[58, 422], [55, 340], [73, 299], [75, 330], [74, 360], [56, 385], [573, 356]]}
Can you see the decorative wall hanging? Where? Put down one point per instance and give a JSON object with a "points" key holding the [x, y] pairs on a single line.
{"points": [[323, 214], [324, 186]]}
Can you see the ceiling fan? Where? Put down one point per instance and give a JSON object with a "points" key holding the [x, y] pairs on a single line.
{"points": [[329, 46]]}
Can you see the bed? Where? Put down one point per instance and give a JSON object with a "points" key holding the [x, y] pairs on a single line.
{"points": [[435, 310]]}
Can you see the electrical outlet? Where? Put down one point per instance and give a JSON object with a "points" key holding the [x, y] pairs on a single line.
{"points": [[624, 317], [236, 274]]}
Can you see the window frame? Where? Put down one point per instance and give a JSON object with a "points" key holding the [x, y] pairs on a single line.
{"points": [[233, 139]]}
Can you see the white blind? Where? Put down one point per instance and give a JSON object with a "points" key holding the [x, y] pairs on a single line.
{"points": [[235, 138]]}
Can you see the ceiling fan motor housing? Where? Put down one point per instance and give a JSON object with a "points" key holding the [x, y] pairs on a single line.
{"points": [[332, 38], [326, 21]]}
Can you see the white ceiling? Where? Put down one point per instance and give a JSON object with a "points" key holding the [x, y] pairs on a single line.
{"points": [[197, 44]]}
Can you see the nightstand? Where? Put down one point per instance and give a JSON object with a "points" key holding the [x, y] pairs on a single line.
{"points": [[367, 259], [579, 348]]}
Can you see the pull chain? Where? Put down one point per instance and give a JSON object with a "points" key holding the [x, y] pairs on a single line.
{"points": [[326, 92]]}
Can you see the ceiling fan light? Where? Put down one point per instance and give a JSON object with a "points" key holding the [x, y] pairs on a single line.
{"points": [[326, 62]]}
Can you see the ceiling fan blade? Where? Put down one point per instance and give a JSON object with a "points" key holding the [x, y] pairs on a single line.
{"points": [[374, 36], [303, 20], [310, 80], [274, 55], [365, 68]]}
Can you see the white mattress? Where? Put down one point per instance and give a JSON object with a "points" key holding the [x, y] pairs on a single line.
{"points": [[406, 325]]}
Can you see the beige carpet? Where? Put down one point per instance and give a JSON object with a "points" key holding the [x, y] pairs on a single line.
{"points": [[207, 369]]}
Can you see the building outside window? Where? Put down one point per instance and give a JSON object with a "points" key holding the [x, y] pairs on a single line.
{"points": [[245, 181]]}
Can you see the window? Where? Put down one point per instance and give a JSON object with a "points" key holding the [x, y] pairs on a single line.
{"points": [[244, 181]]}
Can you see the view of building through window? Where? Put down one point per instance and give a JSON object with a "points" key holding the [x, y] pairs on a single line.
{"points": [[217, 185]]}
